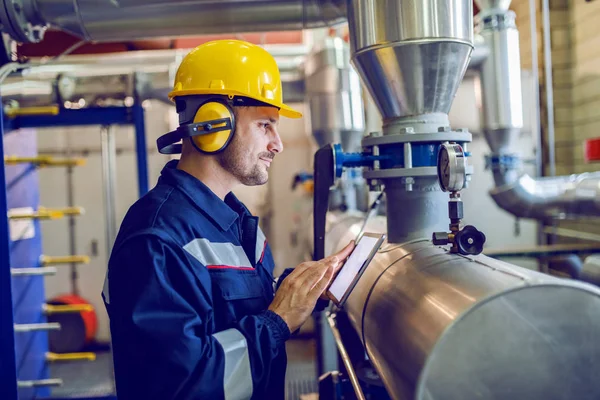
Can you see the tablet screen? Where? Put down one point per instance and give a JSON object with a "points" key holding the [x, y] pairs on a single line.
{"points": [[359, 255]]}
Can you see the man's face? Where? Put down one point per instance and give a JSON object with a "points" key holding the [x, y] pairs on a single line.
{"points": [[254, 145]]}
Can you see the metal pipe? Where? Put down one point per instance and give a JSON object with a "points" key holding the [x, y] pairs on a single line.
{"points": [[107, 20], [548, 198], [420, 309], [44, 326], [38, 271], [548, 86], [40, 383], [345, 358], [109, 161]]}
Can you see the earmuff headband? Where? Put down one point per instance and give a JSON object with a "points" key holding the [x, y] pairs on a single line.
{"points": [[168, 143]]}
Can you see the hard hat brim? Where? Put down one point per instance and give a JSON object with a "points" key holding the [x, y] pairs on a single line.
{"points": [[284, 109]]}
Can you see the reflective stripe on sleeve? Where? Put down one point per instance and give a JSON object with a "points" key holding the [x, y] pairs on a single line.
{"points": [[237, 377], [215, 255]]}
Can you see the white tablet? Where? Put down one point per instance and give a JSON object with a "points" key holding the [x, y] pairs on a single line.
{"points": [[352, 270]]}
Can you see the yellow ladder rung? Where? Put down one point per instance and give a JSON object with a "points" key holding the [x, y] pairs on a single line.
{"points": [[52, 357], [44, 161], [40, 214], [45, 110], [49, 260], [46, 213], [65, 210], [50, 309]]}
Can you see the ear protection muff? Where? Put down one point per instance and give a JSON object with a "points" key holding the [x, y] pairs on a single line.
{"points": [[210, 131]]}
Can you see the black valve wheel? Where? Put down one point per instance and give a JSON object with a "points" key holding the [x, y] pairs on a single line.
{"points": [[470, 241]]}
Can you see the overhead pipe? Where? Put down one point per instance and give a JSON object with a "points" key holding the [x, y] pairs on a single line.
{"points": [[109, 20], [521, 195]]}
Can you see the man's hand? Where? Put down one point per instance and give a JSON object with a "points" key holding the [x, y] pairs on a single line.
{"points": [[299, 292]]}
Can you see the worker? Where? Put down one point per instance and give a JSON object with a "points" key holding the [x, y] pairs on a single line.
{"points": [[195, 312]]}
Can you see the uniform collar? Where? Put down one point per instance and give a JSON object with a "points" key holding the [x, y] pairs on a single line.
{"points": [[223, 213]]}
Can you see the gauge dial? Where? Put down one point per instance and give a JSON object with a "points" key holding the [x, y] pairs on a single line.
{"points": [[451, 167]]}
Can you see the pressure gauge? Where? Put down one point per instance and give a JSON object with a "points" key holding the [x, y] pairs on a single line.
{"points": [[451, 167]]}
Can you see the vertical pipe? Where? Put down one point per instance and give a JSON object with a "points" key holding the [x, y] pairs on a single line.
{"points": [[140, 148], [539, 159], [548, 85], [8, 370], [536, 89], [72, 222], [109, 159]]}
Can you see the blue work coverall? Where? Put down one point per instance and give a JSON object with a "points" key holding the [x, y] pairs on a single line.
{"points": [[188, 285]]}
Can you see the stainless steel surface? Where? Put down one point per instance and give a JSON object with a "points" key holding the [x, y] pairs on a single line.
{"points": [[417, 213], [535, 87], [44, 326], [40, 383], [108, 20], [109, 182], [442, 326], [546, 198], [334, 94], [591, 269], [548, 87], [345, 358], [38, 271], [493, 4], [411, 55], [501, 84]]}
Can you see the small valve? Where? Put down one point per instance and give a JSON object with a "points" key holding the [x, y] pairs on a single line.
{"points": [[469, 241]]}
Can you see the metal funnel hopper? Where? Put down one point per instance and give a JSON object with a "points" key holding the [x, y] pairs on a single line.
{"points": [[412, 55]]}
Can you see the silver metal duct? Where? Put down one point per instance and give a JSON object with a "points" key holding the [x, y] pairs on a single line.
{"points": [[442, 326], [333, 91], [411, 55], [548, 198], [501, 79], [142, 74], [108, 20]]}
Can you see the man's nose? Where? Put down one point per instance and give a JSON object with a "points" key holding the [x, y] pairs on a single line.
{"points": [[275, 144]]}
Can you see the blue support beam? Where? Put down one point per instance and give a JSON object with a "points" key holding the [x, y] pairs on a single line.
{"points": [[8, 367], [74, 117], [140, 147]]}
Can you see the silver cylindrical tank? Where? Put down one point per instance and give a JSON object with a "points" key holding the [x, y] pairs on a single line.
{"points": [[501, 79], [442, 326]]}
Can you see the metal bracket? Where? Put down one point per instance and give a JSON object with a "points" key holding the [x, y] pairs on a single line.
{"points": [[449, 136]]}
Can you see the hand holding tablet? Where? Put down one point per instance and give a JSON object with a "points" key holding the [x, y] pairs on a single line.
{"points": [[352, 270]]}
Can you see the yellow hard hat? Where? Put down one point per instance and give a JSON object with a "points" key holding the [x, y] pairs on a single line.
{"points": [[232, 68]]}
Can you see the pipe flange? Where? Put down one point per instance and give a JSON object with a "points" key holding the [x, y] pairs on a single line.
{"points": [[15, 22], [458, 136]]}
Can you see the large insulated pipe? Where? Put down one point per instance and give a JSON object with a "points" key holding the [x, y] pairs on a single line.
{"points": [[107, 20], [437, 325]]}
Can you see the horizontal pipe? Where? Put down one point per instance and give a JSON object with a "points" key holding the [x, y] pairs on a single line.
{"points": [[549, 198], [108, 20]]}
